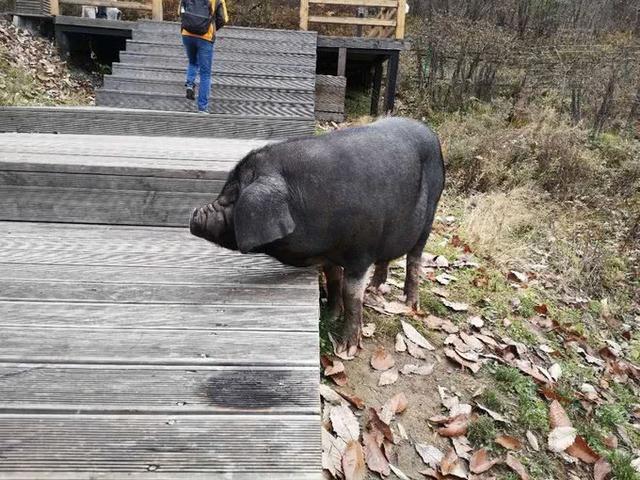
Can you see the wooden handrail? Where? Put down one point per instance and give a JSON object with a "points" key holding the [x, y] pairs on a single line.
{"points": [[392, 16], [153, 6]]}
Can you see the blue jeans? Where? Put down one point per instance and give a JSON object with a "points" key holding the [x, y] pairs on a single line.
{"points": [[200, 55]]}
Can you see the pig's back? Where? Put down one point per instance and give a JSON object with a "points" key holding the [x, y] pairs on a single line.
{"points": [[363, 189]]}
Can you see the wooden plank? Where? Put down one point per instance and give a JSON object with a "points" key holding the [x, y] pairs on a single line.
{"points": [[158, 347], [143, 293], [54, 7], [87, 205], [392, 78], [400, 19], [109, 3], [172, 446], [276, 277], [94, 316], [342, 62], [304, 14], [370, 22], [375, 88], [358, 3], [168, 389], [156, 10], [361, 43]]}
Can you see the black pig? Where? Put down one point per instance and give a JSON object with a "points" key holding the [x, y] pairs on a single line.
{"points": [[346, 200]]}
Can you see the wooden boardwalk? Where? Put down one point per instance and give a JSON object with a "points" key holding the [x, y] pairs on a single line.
{"points": [[258, 72], [129, 348]]}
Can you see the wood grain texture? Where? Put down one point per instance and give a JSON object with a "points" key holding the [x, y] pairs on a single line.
{"points": [[173, 446], [168, 389]]}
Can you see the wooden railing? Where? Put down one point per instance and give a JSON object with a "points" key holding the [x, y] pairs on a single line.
{"points": [[389, 22], [153, 6]]}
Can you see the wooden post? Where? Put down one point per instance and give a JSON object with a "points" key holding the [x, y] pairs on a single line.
{"points": [[375, 88], [400, 18], [342, 61], [392, 77], [54, 7], [156, 10], [304, 14]]}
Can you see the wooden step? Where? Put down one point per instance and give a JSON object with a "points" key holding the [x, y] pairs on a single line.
{"points": [[219, 91], [241, 73], [224, 54], [246, 44], [122, 81], [126, 121], [106, 180], [225, 66], [217, 105]]}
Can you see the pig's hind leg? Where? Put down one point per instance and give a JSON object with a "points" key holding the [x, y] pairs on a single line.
{"points": [[354, 284], [333, 275], [379, 275]]}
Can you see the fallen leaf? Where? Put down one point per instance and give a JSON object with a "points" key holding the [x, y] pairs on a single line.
{"points": [[515, 465], [402, 432], [368, 330], [330, 395], [396, 404], [441, 262], [480, 462], [462, 447], [353, 400], [430, 455], [455, 428], [376, 423], [388, 378], [455, 306], [533, 441], [345, 423], [336, 367], [332, 450], [415, 336], [527, 367], [398, 473], [448, 399], [555, 371], [397, 308], [542, 309], [558, 416], [453, 355], [636, 464], [611, 441], [452, 465], [509, 442], [411, 369], [381, 359], [353, 464], [492, 414], [516, 276], [561, 438], [476, 322], [400, 346], [375, 459], [601, 469], [436, 323], [580, 449], [415, 351], [339, 379]]}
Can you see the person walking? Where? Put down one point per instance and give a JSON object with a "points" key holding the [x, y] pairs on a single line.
{"points": [[200, 20]]}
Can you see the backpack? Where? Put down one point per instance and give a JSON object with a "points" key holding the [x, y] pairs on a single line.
{"points": [[196, 16]]}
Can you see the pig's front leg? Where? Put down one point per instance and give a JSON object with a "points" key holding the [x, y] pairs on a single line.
{"points": [[353, 288], [412, 280], [333, 274]]}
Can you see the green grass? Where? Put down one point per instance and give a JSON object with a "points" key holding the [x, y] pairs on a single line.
{"points": [[621, 466], [482, 432], [531, 410], [492, 399], [611, 416], [430, 303]]}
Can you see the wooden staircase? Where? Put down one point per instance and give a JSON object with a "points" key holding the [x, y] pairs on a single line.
{"points": [[256, 72]]}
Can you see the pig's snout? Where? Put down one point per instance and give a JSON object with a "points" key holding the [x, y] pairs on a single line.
{"points": [[198, 222]]}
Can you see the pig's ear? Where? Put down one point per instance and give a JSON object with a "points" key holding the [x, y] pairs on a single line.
{"points": [[261, 214]]}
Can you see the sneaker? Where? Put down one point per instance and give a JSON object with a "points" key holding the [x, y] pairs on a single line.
{"points": [[191, 93], [203, 111]]}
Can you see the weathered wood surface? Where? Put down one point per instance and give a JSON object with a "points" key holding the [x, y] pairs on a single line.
{"points": [[112, 179], [260, 54], [131, 351], [125, 349], [153, 123]]}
